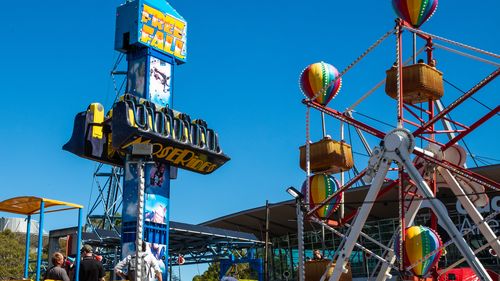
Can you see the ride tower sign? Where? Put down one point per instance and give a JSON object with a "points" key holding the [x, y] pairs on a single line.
{"points": [[153, 35], [151, 24]]}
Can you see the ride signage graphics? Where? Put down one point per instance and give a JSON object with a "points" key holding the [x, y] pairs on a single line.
{"points": [[150, 78], [160, 74], [468, 225], [179, 157], [162, 31], [153, 24]]}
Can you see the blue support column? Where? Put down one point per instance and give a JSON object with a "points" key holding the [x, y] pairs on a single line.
{"points": [[153, 224], [40, 240], [27, 247], [78, 243]]}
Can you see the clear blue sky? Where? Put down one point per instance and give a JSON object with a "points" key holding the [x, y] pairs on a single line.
{"points": [[244, 60]]}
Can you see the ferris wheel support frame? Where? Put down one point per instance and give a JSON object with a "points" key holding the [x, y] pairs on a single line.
{"points": [[481, 223], [397, 147], [474, 214]]}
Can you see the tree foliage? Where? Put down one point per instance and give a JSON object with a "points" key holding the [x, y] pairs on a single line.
{"points": [[11, 255], [211, 274], [239, 271]]}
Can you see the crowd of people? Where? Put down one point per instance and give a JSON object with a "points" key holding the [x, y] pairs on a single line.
{"points": [[91, 268]]}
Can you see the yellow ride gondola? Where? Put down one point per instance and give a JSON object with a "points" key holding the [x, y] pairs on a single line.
{"points": [[421, 83], [328, 156]]}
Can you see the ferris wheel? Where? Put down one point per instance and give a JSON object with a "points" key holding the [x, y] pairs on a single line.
{"points": [[420, 155]]}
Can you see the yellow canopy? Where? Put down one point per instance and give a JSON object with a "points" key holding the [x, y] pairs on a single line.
{"points": [[28, 205]]}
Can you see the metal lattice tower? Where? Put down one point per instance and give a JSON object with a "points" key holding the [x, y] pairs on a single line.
{"points": [[104, 212]]}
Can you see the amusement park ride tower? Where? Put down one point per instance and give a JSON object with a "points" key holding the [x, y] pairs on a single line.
{"points": [[142, 133], [414, 251]]}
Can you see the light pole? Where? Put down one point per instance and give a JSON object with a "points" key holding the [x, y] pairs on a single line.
{"points": [[300, 228]]}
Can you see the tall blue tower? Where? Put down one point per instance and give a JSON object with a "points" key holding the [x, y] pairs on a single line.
{"points": [[142, 132], [153, 36]]}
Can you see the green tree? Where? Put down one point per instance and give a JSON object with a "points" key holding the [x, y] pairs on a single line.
{"points": [[211, 274], [11, 255], [239, 271]]}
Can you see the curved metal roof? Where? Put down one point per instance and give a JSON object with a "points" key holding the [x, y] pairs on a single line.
{"points": [[283, 217], [28, 205]]}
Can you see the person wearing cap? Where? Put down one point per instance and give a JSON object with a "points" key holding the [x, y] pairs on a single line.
{"points": [[57, 272], [90, 268], [151, 266]]}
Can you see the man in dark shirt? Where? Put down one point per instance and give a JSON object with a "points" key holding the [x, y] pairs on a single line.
{"points": [[90, 268]]}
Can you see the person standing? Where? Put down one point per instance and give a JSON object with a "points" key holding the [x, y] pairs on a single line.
{"points": [[317, 256], [151, 266], [90, 268], [57, 272]]}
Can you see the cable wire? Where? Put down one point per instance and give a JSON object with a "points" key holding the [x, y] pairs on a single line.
{"points": [[473, 98], [374, 119], [452, 42]]}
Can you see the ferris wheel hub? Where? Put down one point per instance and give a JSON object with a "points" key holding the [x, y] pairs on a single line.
{"points": [[399, 138]]}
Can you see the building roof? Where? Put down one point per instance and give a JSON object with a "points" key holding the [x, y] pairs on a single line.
{"points": [[283, 218], [196, 243]]}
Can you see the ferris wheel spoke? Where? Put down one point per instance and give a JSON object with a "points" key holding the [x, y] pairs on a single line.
{"points": [[457, 102], [466, 173], [472, 127]]}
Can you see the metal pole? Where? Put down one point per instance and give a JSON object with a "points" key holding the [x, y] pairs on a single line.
{"points": [[323, 124], [290, 254], [365, 261], [402, 222], [78, 243], [40, 240], [361, 137], [27, 247], [323, 245], [266, 254], [170, 269], [414, 48], [399, 62], [300, 238], [140, 219], [342, 177]]}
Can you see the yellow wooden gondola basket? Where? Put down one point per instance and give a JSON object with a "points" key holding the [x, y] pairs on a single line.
{"points": [[328, 156], [421, 83], [315, 269]]}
